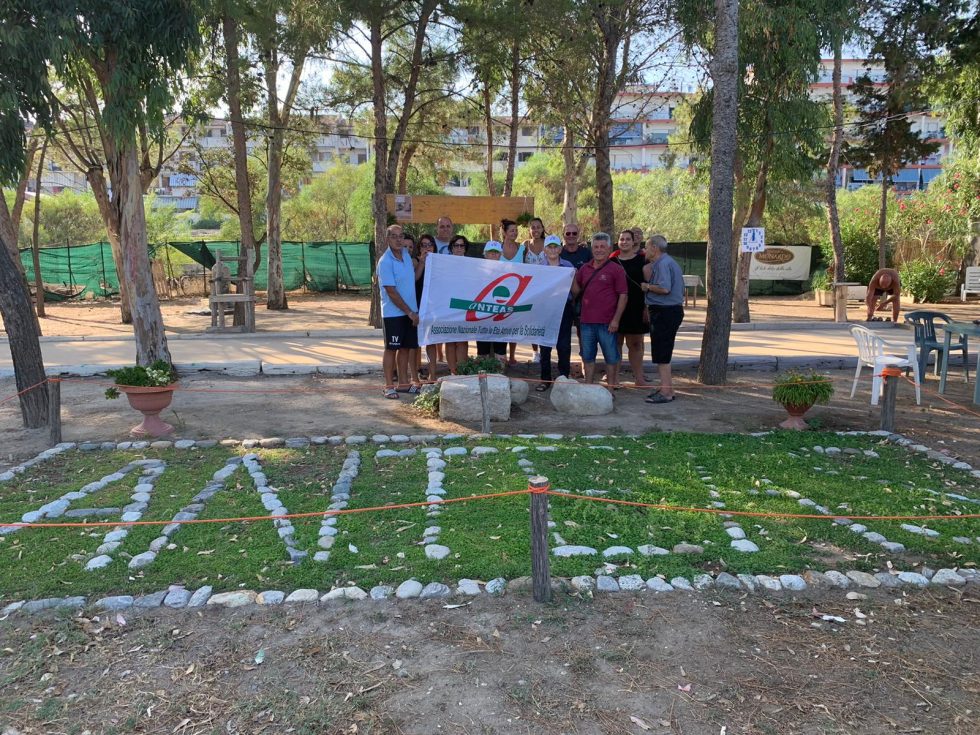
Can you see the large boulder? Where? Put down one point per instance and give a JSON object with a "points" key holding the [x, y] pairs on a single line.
{"points": [[459, 398], [579, 399], [518, 392]]}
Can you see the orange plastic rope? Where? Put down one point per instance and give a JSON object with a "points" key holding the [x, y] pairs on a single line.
{"points": [[267, 518], [26, 390], [943, 398], [723, 511]]}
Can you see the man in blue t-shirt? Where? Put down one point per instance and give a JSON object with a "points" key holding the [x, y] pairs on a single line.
{"points": [[399, 313]]}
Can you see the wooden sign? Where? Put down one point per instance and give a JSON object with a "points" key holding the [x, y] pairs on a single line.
{"points": [[463, 210]]}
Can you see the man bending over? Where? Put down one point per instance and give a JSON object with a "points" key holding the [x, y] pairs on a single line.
{"points": [[885, 288]]}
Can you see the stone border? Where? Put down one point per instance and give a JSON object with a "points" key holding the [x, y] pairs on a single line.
{"points": [[177, 596]]}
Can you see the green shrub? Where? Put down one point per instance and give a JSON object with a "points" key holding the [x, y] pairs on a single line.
{"points": [[473, 365], [207, 223], [927, 279], [802, 388], [427, 402], [820, 281], [860, 252], [159, 374]]}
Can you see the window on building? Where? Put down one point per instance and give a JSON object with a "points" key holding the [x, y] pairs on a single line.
{"points": [[527, 131], [524, 156], [362, 158], [473, 130]]}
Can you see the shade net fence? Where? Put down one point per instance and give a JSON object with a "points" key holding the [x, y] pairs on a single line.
{"points": [[88, 270]]}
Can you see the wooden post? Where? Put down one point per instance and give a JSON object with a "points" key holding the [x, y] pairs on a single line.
{"points": [[54, 410], [890, 393], [485, 401], [540, 561]]}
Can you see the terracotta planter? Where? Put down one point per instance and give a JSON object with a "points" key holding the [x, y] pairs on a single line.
{"points": [[150, 402], [795, 420]]}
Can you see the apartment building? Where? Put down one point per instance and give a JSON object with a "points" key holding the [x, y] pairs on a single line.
{"points": [[178, 181]]}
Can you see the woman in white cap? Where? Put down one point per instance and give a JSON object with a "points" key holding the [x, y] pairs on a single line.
{"points": [[552, 252], [492, 251]]}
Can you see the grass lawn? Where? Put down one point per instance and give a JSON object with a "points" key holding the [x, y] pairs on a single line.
{"points": [[490, 538]]}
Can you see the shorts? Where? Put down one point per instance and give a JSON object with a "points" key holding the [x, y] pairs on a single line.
{"points": [[400, 333], [883, 292], [488, 348], [595, 336], [664, 323]]}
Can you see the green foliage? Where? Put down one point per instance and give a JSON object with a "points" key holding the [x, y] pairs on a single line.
{"points": [[164, 223], [206, 223], [68, 218], [820, 281], [427, 402], [327, 209], [473, 365], [159, 373], [802, 388], [927, 279]]}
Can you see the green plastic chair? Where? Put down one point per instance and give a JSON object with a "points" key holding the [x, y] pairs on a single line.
{"points": [[926, 340]]}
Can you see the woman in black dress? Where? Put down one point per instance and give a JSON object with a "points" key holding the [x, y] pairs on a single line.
{"points": [[634, 325]]}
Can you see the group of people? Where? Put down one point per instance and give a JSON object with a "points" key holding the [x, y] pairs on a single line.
{"points": [[618, 295]]}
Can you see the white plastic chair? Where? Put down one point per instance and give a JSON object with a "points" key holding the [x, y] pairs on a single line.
{"points": [[871, 352], [972, 282]]}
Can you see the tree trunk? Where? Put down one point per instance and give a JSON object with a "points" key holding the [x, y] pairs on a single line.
{"points": [[833, 163], [22, 331], [35, 239], [379, 204], [151, 339], [569, 211], [515, 99], [20, 194], [110, 218], [273, 216], [488, 121], [740, 308], [713, 365], [882, 220], [240, 149], [404, 166]]}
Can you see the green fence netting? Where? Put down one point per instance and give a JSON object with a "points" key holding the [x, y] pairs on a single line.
{"points": [[76, 271], [317, 266]]}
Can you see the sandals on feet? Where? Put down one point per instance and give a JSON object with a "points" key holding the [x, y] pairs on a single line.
{"points": [[414, 388], [541, 387], [659, 398], [391, 394]]}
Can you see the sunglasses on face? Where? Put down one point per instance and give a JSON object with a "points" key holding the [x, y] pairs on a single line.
{"points": [[571, 234], [458, 245]]}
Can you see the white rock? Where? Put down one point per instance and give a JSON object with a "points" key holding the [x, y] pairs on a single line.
{"points": [[744, 545], [658, 585], [345, 593], [518, 392], [650, 550], [238, 598], [617, 551], [632, 582], [437, 551], [583, 583], [459, 399], [948, 577], [679, 583], [579, 399], [574, 551], [141, 560], [468, 587], [303, 595], [408, 589], [98, 562], [770, 583]]}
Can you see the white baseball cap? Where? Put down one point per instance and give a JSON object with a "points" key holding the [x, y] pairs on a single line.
{"points": [[493, 245]]}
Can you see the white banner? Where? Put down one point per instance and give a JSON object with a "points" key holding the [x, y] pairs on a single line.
{"points": [[468, 299], [781, 263]]}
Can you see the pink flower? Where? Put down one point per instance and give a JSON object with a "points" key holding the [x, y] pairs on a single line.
{"points": [[901, 206], [942, 271], [946, 208], [962, 211], [956, 186], [928, 221], [858, 209]]}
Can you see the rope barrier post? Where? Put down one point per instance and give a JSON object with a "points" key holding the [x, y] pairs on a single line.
{"points": [[540, 561], [485, 401], [890, 394], [54, 410]]}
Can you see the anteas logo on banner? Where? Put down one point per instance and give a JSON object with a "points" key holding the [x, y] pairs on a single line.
{"points": [[502, 303]]}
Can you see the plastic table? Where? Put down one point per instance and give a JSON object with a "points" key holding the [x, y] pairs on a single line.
{"points": [[967, 329]]}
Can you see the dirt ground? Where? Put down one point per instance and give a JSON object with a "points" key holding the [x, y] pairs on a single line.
{"points": [[347, 311], [693, 664], [298, 406]]}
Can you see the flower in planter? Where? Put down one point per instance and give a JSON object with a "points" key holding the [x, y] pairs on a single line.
{"points": [[802, 388], [159, 374]]}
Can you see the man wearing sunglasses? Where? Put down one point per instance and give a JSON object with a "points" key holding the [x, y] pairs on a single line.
{"points": [[576, 254]]}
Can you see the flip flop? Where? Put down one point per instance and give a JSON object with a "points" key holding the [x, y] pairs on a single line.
{"points": [[513, 363], [414, 388], [541, 387], [655, 393], [391, 394], [659, 398]]}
